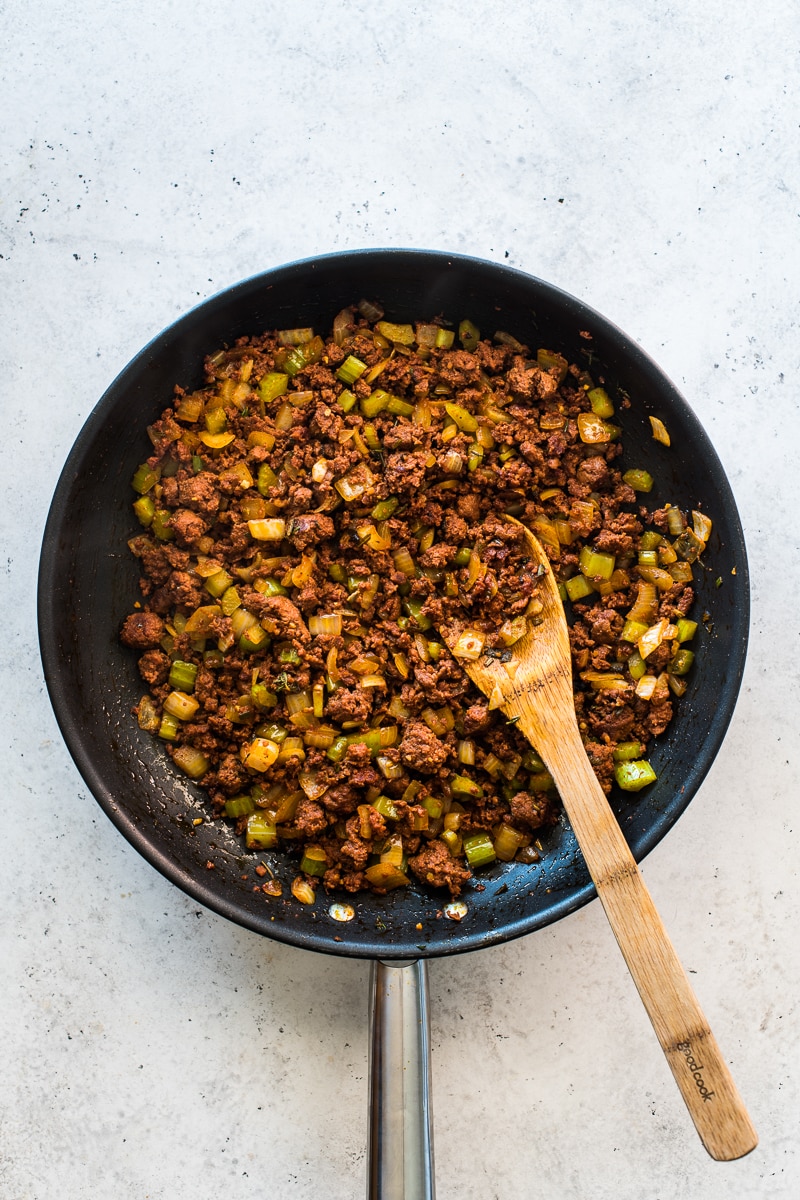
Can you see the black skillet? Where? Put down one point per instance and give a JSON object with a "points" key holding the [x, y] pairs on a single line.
{"points": [[88, 583]]}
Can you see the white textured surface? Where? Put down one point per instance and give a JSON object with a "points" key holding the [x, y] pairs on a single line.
{"points": [[640, 155]]}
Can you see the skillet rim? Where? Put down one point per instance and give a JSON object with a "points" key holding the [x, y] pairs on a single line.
{"points": [[453, 940]]}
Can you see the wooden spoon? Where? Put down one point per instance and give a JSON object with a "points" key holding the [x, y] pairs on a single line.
{"points": [[539, 698]]}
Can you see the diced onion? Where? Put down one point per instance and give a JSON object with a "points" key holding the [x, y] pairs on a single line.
{"points": [[298, 702], [181, 705], [452, 463], [657, 575], [292, 747], [652, 638], [388, 767], [646, 604], [284, 418], [325, 624], [216, 441], [604, 681], [294, 337], [702, 525], [469, 645], [190, 760], [370, 536], [659, 431], [260, 754], [466, 752], [357, 481], [270, 529], [385, 875], [402, 664], [594, 430], [303, 891], [404, 562], [373, 681], [312, 785]]}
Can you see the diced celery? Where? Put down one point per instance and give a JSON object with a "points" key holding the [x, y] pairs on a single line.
{"points": [[577, 587], [469, 335], [479, 849], [273, 385], [182, 675], [625, 751], [351, 369], [681, 662], [634, 774]]}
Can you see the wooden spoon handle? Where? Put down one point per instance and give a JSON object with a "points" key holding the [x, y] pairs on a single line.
{"points": [[692, 1052]]}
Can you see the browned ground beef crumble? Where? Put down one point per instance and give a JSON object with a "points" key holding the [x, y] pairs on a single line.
{"points": [[393, 520]]}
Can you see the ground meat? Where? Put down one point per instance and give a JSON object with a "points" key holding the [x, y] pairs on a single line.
{"points": [[404, 436], [405, 471], [382, 507], [594, 472], [154, 666], [436, 866], [310, 529], [477, 718], [349, 704], [281, 617], [142, 630], [421, 750], [188, 526], [606, 626], [529, 811], [200, 493], [531, 382], [442, 682], [459, 369], [310, 819]]}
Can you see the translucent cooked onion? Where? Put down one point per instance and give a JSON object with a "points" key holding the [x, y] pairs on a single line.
{"points": [[657, 575], [604, 681], [469, 645], [295, 337], [652, 638], [402, 664], [270, 529], [452, 463], [388, 767], [659, 431], [284, 418], [303, 891], [298, 702], [702, 526], [292, 747], [312, 785], [373, 681], [354, 483], [320, 739], [343, 325], [370, 536], [193, 762], [325, 624], [404, 562], [260, 754], [646, 604]]}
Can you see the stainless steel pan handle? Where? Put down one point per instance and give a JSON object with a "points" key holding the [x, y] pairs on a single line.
{"points": [[400, 1156]]}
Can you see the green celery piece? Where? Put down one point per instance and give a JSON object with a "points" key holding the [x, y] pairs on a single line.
{"points": [[479, 849], [634, 774]]}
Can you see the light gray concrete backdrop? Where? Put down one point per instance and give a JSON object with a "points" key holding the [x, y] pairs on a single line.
{"points": [[641, 155]]}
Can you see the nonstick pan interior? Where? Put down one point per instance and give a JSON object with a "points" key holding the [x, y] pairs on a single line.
{"points": [[88, 583]]}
